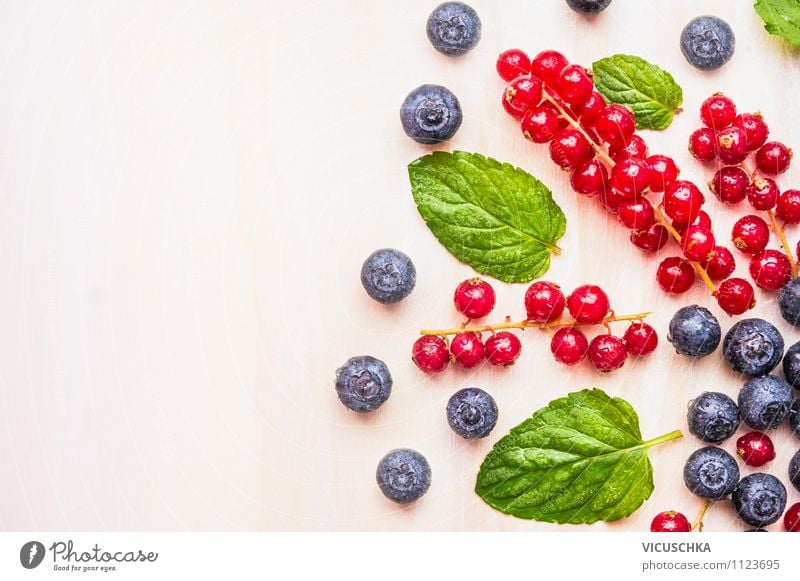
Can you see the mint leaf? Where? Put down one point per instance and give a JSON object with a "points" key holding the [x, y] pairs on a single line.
{"points": [[578, 460], [781, 17], [649, 91], [493, 216]]}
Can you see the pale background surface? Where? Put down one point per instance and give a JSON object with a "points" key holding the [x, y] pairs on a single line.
{"points": [[188, 191]]}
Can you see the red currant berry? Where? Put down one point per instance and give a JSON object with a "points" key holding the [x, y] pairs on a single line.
{"points": [[773, 158], [430, 354], [731, 145], [697, 243], [730, 184], [503, 348], [611, 199], [663, 172], [562, 121], [683, 201], [788, 208], [544, 302], [650, 240], [541, 123], [675, 275], [615, 125], [631, 177], [640, 339], [721, 264], [547, 65], [474, 298], [636, 214], [771, 269], [735, 296], [607, 353], [703, 220], [635, 148], [513, 63], [703, 144], [791, 520], [750, 234], [755, 449], [763, 194], [588, 304], [574, 85], [467, 349], [570, 148], [569, 346], [522, 94], [670, 522], [755, 130], [589, 179], [718, 111], [591, 108]]}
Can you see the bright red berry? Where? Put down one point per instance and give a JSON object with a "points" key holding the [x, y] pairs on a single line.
{"points": [[771, 269], [607, 352], [615, 125], [588, 304], [670, 522], [467, 349], [502, 348], [611, 199], [650, 240], [589, 111], [697, 243], [731, 145], [663, 172], [730, 184], [788, 208], [773, 158], [547, 65], [755, 129], [636, 214], [735, 296], [755, 448], [640, 339], [522, 94], [544, 302], [703, 220], [635, 148], [763, 194], [513, 63], [750, 234], [683, 201], [721, 264], [590, 178], [474, 298], [791, 520], [570, 148], [541, 123], [574, 85], [569, 345], [703, 144], [430, 354], [718, 111], [675, 275], [631, 177], [562, 121]]}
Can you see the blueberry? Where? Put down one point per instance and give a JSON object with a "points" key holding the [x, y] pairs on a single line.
{"points": [[588, 6], [454, 28], [711, 473], [363, 383], [794, 470], [403, 475], [753, 347], [789, 302], [472, 413], [388, 275], [791, 365], [430, 114], [707, 42], [759, 499], [694, 331], [764, 402], [794, 417], [713, 417]]}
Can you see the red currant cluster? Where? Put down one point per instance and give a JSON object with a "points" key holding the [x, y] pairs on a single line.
{"points": [[597, 143], [732, 138], [545, 303]]}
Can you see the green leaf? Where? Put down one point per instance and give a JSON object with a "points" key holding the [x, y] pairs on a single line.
{"points": [[781, 17], [493, 216], [578, 460], [649, 91]]}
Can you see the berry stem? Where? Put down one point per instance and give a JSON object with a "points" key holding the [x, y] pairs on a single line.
{"points": [[530, 325], [698, 522]]}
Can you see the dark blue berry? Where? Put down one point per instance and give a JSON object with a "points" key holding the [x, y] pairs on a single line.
{"points": [[791, 365], [713, 417], [794, 470], [707, 42], [753, 347], [363, 383], [794, 417], [764, 402], [759, 499], [588, 6], [388, 275], [430, 114], [711, 473], [694, 331], [454, 28], [789, 302], [472, 413], [403, 475]]}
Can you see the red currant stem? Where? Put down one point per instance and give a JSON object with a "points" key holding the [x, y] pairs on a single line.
{"points": [[698, 522], [531, 325]]}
